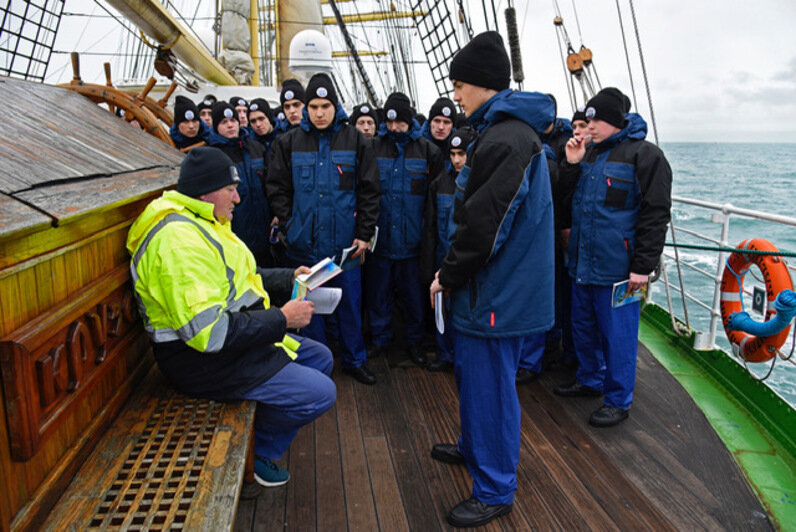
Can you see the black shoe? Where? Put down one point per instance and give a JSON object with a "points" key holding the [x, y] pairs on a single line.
{"points": [[417, 355], [563, 365], [447, 452], [362, 374], [440, 365], [608, 416], [377, 351], [473, 512], [576, 390], [524, 376]]}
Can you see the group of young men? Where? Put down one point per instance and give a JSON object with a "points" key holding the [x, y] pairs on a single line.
{"points": [[515, 219]]}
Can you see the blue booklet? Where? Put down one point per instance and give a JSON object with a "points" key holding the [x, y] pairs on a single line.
{"points": [[620, 296]]}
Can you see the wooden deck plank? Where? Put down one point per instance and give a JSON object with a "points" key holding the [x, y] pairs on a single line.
{"points": [[389, 507], [329, 473], [360, 506], [301, 495]]}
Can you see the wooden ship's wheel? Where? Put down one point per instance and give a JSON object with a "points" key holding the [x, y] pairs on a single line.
{"points": [[151, 115]]}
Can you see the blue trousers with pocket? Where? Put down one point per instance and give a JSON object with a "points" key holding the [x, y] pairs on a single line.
{"points": [[606, 343], [385, 278], [348, 317], [296, 395], [489, 409]]}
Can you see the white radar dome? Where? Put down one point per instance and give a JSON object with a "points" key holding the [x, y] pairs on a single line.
{"points": [[310, 52]]}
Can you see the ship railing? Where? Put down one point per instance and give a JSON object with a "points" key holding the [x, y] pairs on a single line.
{"points": [[722, 214]]}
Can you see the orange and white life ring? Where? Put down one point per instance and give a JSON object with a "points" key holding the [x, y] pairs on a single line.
{"points": [[776, 276]]}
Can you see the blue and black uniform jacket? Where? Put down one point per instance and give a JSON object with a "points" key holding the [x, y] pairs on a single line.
{"points": [[252, 217], [407, 164], [323, 185], [500, 263], [620, 207]]}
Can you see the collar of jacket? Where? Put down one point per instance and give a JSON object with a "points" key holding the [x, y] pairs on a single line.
{"points": [[340, 118], [198, 207], [425, 130], [414, 133], [218, 139], [534, 108], [561, 127]]}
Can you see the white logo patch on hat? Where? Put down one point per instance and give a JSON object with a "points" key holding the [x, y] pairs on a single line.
{"points": [[289, 95], [446, 111], [228, 113], [591, 112], [207, 102], [233, 174], [322, 92], [364, 109], [456, 141], [254, 107], [281, 116], [189, 115], [392, 114], [241, 102]]}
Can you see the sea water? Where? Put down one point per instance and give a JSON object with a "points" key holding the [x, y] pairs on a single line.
{"points": [[754, 176]]}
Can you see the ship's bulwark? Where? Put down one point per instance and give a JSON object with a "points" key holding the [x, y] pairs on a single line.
{"points": [[366, 463]]}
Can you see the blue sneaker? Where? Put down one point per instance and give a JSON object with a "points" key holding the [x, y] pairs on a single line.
{"points": [[268, 474]]}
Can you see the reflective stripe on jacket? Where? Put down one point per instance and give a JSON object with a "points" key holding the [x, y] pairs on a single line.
{"points": [[190, 272]]}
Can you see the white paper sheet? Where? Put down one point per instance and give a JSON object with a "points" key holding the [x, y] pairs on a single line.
{"points": [[325, 299]]}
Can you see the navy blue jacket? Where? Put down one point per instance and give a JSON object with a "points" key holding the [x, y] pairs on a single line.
{"points": [[438, 225], [500, 264], [620, 207], [324, 187], [407, 164], [181, 141]]}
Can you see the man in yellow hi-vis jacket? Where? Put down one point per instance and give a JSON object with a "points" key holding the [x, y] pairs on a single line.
{"points": [[207, 310]]}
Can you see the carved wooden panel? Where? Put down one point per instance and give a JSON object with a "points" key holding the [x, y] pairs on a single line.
{"points": [[50, 362]]}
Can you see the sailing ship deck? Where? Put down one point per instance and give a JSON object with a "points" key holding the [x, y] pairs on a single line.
{"points": [[365, 464]]}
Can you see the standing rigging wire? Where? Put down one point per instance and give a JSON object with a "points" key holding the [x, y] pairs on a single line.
{"points": [[406, 57], [567, 77], [644, 72], [369, 46], [627, 56], [577, 22]]}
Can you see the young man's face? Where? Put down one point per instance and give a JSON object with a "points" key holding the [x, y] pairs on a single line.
{"points": [[470, 97], [321, 112], [441, 127], [580, 128], [207, 116], [292, 109], [260, 123], [458, 158], [398, 126], [242, 118], [189, 128], [601, 130], [224, 200], [366, 125], [229, 128]]}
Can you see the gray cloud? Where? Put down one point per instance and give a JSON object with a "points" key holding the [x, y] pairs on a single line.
{"points": [[787, 75]]}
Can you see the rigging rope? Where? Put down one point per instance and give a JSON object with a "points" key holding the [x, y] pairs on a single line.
{"points": [[644, 71], [577, 22], [627, 56]]}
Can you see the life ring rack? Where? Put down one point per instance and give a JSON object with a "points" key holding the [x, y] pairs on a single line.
{"points": [[749, 347]]}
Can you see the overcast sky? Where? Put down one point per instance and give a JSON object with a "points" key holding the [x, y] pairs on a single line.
{"points": [[718, 71]]}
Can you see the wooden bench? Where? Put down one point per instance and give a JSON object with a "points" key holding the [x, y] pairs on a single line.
{"points": [[168, 462]]}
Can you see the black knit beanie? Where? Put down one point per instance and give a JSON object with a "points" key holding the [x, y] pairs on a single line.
{"points": [[184, 110], [236, 101], [363, 109], [291, 90], [207, 103], [398, 107], [222, 110], [461, 138], [321, 86], [259, 104], [483, 62], [443, 107], [204, 170], [580, 114], [609, 105]]}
